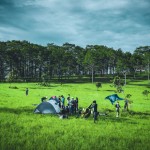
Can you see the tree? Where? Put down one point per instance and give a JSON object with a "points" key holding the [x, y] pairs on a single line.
{"points": [[136, 61], [118, 84], [89, 62], [70, 57], [30, 61], [144, 52], [89, 59], [111, 55], [124, 64], [3, 63], [44, 80], [11, 77]]}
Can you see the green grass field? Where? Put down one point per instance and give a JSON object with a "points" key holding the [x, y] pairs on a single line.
{"points": [[20, 128]]}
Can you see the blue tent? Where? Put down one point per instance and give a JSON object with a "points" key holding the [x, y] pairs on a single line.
{"points": [[113, 98], [48, 107]]}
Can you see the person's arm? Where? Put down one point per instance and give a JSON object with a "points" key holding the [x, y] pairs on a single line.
{"points": [[91, 106]]}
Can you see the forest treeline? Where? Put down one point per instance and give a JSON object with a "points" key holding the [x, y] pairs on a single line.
{"points": [[25, 61]]}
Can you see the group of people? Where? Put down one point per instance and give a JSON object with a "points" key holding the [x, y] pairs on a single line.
{"points": [[69, 106], [118, 107], [72, 106]]}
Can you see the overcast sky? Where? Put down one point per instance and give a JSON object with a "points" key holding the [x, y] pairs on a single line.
{"points": [[118, 24]]}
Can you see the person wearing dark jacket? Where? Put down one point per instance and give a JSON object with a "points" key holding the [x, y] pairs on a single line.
{"points": [[27, 91], [94, 106]]}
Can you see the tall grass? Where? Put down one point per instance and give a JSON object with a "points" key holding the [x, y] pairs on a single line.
{"points": [[20, 128]]}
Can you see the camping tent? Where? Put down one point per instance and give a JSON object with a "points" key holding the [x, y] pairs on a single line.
{"points": [[49, 107]]}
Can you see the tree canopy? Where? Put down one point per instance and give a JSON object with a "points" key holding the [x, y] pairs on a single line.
{"points": [[32, 62]]}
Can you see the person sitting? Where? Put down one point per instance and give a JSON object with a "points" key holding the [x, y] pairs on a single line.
{"points": [[86, 113], [63, 114], [79, 113], [67, 109]]}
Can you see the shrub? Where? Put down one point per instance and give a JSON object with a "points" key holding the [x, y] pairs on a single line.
{"points": [[145, 93], [98, 85]]}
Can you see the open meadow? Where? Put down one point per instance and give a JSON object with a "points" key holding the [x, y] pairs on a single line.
{"points": [[20, 128]]}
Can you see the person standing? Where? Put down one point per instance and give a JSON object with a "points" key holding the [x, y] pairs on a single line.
{"points": [[63, 101], [94, 106], [59, 101], [76, 102], [117, 109], [126, 105], [68, 99], [72, 103], [27, 91]]}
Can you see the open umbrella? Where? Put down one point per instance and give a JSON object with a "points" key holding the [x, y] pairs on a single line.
{"points": [[113, 98]]}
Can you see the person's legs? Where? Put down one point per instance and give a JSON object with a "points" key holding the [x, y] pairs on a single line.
{"points": [[117, 113], [127, 108], [95, 116]]}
